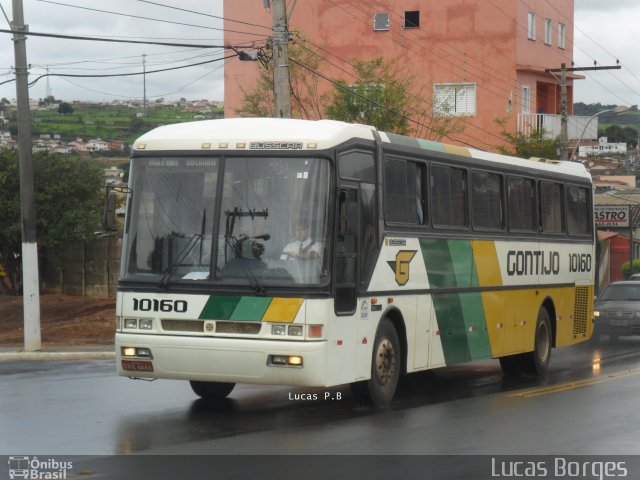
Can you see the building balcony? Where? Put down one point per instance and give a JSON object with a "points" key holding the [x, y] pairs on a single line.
{"points": [[528, 122]]}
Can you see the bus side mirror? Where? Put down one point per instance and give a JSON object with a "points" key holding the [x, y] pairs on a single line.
{"points": [[109, 217]]}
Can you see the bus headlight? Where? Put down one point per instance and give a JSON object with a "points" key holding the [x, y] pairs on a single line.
{"points": [[130, 323], [295, 330], [146, 324], [278, 329]]}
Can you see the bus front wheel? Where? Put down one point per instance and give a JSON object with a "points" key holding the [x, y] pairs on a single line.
{"points": [[211, 391], [385, 369]]}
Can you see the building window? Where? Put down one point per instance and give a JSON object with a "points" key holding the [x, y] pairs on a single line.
{"points": [[412, 19], [532, 26], [381, 21], [548, 29], [561, 35], [454, 99], [526, 99]]}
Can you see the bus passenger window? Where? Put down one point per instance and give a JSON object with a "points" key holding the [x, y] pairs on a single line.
{"points": [[449, 196], [551, 207], [486, 200], [578, 218], [521, 200]]}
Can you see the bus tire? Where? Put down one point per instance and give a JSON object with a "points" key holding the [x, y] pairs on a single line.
{"points": [[211, 391], [385, 369], [537, 362]]}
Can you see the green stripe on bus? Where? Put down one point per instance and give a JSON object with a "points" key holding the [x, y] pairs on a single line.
{"points": [[453, 333], [437, 258], [476, 324], [460, 317], [250, 309], [219, 308], [464, 266], [462, 263], [429, 145]]}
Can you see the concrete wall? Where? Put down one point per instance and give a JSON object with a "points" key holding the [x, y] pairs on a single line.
{"points": [[91, 269]]}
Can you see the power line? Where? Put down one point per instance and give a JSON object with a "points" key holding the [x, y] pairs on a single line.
{"points": [[204, 14], [114, 40], [128, 74], [147, 18], [596, 43]]}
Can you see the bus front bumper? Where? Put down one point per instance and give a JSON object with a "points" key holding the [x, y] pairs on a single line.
{"points": [[233, 360]]}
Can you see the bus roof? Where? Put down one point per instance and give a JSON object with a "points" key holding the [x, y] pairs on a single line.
{"points": [[293, 134]]}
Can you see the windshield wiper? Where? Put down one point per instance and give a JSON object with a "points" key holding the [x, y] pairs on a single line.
{"points": [[235, 244], [184, 251]]}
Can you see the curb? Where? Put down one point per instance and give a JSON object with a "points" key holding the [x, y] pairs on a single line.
{"points": [[31, 356]]}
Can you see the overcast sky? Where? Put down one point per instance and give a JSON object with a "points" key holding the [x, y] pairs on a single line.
{"points": [[605, 31]]}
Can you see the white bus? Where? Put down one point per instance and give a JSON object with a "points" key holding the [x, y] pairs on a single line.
{"points": [[319, 253]]}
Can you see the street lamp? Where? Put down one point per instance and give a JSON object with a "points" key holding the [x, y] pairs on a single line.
{"points": [[619, 110]]}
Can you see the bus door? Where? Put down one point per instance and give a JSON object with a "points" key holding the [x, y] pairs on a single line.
{"points": [[356, 247]]}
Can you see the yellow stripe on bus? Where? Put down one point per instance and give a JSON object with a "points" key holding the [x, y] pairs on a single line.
{"points": [[488, 271], [487, 267], [282, 310], [455, 150]]}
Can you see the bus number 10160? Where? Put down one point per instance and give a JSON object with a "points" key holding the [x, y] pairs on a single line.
{"points": [[155, 305]]}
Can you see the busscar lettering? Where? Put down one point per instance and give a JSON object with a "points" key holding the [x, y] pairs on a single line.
{"points": [[532, 262], [275, 145]]}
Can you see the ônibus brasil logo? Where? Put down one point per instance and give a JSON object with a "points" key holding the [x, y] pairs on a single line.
{"points": [[35, 469]]}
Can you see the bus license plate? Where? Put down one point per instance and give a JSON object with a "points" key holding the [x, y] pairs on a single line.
{"points": [[619, 323], [137, 366]]}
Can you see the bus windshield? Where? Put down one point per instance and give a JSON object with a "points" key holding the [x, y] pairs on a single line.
{"points": [[245, 221]]}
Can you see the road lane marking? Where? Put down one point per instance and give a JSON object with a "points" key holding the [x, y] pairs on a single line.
{"points": [[563, 387]]}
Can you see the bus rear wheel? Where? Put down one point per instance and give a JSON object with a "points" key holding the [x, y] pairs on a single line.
{"points": [[385, 369], [537, 362], [211, 391]]}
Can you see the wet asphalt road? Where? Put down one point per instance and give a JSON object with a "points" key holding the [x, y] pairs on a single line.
{"points": [[587, 405]]}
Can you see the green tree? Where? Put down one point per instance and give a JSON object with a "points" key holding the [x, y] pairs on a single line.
{"points": [[68, 202], [136, 124], [625, 268], [383, 95], [537, 144], [65, 108], [391, 99], [378, 97]]}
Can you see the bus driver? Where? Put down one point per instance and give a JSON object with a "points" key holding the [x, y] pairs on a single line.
{"points": [[304, 248]]}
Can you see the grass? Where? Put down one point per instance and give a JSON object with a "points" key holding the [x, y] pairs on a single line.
{"points": [[108, 122]]}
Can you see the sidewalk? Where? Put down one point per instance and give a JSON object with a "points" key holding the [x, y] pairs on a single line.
{"points": [[59, 352]]}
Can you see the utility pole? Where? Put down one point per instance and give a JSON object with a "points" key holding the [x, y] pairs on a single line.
{"points": [[30, 280], [280, 44], [564, 101], [144, 85]]}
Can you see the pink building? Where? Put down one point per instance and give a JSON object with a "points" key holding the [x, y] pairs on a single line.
{"points": [[484, 59]]}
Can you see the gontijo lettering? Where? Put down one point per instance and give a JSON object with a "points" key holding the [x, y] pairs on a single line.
{"points": [[533, 262]]}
